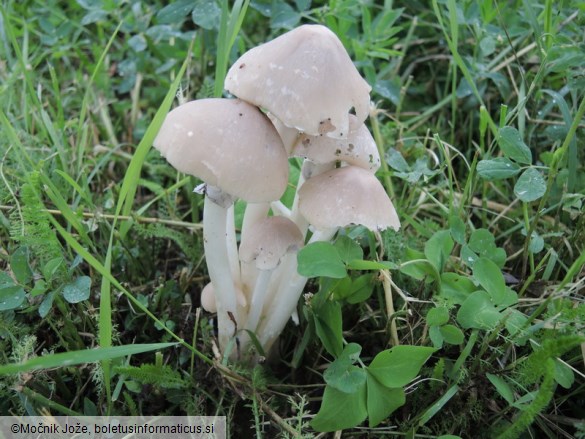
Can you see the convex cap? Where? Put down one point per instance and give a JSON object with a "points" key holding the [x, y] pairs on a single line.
{"points": [[346, 196], [305, 78], [226, 143], [269, 240]]}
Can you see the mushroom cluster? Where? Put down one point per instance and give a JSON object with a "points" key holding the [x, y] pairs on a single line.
{"points": [[298, 95]]}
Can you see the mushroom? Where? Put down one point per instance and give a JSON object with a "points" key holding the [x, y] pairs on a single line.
{"points": [[266, 244], [306, 83], [235, 150], [305, 78], [288, 135], [208, 302], [208, 298], [338, 198], [346, 196], [321, 154], [358, 149]]}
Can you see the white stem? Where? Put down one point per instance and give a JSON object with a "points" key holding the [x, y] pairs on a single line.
{"points": [[254, 213], [287, 295], [323, 235], [283, 269], [280, 209], [282, 307], [232, 245], [216, 255], [234, 262], [295, 215], [249, 275], [258, 299]]}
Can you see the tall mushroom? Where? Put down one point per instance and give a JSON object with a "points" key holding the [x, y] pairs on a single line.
{"points": [[308, 83], [235, 150]]}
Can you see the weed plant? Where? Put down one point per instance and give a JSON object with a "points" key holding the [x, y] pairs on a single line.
{"points": [[468, 322]]}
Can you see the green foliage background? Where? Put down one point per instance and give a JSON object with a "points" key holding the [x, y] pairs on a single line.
{"points": [[479, 118]]}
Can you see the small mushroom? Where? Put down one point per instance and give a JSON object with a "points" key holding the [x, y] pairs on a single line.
{"points": [[265, 246], [337, 198], [208, 298], [346, 196], [358, 149]]}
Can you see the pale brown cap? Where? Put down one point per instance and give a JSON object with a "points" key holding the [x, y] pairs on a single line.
{"points": [[269, 240], [358, 149], [346, 196], [227, 143], [305, 78]]}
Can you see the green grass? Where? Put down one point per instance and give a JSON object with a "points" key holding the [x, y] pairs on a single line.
{"points": [[101, 245]]}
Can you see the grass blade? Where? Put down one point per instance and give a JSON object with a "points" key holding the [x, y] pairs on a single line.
{"points": [[229, 27], [459, 60], [124, 205], [87, 94], [80, 357], [130, 183], [438, 405]]}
